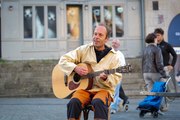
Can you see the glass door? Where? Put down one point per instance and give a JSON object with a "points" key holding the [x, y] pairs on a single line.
{"points": [[74, 26]]}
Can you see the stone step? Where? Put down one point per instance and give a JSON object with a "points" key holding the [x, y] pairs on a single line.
{"points": [[132, 75], [133, 86], [132, 80], [134, 94]]}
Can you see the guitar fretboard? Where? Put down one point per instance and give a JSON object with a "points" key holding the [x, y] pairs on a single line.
{"points": [[122, 69], [94, 74]]}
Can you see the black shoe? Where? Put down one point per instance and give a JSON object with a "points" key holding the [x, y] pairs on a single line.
{"points": [[125, 102]]}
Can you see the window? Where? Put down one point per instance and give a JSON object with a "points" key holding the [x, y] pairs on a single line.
{"points": [[28, 22], [119, 24], [96, 16], [112, 16], [52, 32], [155, 5], [38, 23], [108, 18]]}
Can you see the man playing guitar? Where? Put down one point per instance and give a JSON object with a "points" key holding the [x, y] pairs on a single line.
{"points": [[99, 57]]}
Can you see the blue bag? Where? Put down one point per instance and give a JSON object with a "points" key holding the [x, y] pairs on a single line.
{"points": [[153, 102]]}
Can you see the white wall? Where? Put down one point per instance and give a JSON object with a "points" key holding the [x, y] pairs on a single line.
{"points": [[168, 9], [11, 42], [14, 47]]}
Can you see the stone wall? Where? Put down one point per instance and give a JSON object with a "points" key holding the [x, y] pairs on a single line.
{"points": [[26, 78], [33, 78]]}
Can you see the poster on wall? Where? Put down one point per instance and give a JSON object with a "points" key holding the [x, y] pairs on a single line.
{"points": [[174, 40]]}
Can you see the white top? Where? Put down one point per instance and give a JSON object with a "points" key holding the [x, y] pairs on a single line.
{"points": [[122, 58]]}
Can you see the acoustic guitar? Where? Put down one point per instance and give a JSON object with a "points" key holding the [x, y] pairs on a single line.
{"points": [[64, 86]]}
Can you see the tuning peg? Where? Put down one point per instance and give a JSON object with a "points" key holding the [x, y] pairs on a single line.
{"points": [[130, 68]]}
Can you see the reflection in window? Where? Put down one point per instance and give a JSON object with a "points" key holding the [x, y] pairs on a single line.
{"points": [[39, 22], [27, 21], [96, 16], [73, 19], [119, 21], [108, 18], [52, 22], [34, 22], [114, 22]]}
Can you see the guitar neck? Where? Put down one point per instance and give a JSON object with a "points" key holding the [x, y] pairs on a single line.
{"points": [[94, 74], [122, 69]]}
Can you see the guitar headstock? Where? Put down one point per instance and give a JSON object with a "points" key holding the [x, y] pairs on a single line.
{"points": [[124, 69]]}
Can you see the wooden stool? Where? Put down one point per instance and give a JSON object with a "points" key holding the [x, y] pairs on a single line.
{"points": [[89, 107], [86, 110]]}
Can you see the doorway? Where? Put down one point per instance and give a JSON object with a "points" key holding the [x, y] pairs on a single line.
{"points": [[74, 26]]}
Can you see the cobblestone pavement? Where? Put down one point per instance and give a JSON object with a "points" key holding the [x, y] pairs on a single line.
{"points": [[55, 109]]}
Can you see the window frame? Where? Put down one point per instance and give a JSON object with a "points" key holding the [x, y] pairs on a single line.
{"points": [[113, 13], [45, 22]]}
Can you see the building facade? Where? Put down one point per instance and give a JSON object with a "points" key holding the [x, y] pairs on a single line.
{"points": [[46, 29]]}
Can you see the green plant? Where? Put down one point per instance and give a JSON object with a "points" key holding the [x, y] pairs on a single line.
{"points": [[2, 61]]}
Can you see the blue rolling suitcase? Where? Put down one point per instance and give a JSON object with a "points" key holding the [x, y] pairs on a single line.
{"points": [[152, 103]]}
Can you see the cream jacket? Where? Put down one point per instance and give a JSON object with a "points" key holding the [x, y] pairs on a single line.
{"points": [[86, 54]]}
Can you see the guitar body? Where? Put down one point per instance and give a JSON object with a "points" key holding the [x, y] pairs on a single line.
{"points": [[64, 86]]}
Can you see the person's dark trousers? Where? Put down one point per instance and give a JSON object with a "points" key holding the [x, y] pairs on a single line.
{"points": [[74, 108], [123, 96]]}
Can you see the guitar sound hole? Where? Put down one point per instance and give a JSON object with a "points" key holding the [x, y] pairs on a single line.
{"points": [[76, 77]]}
